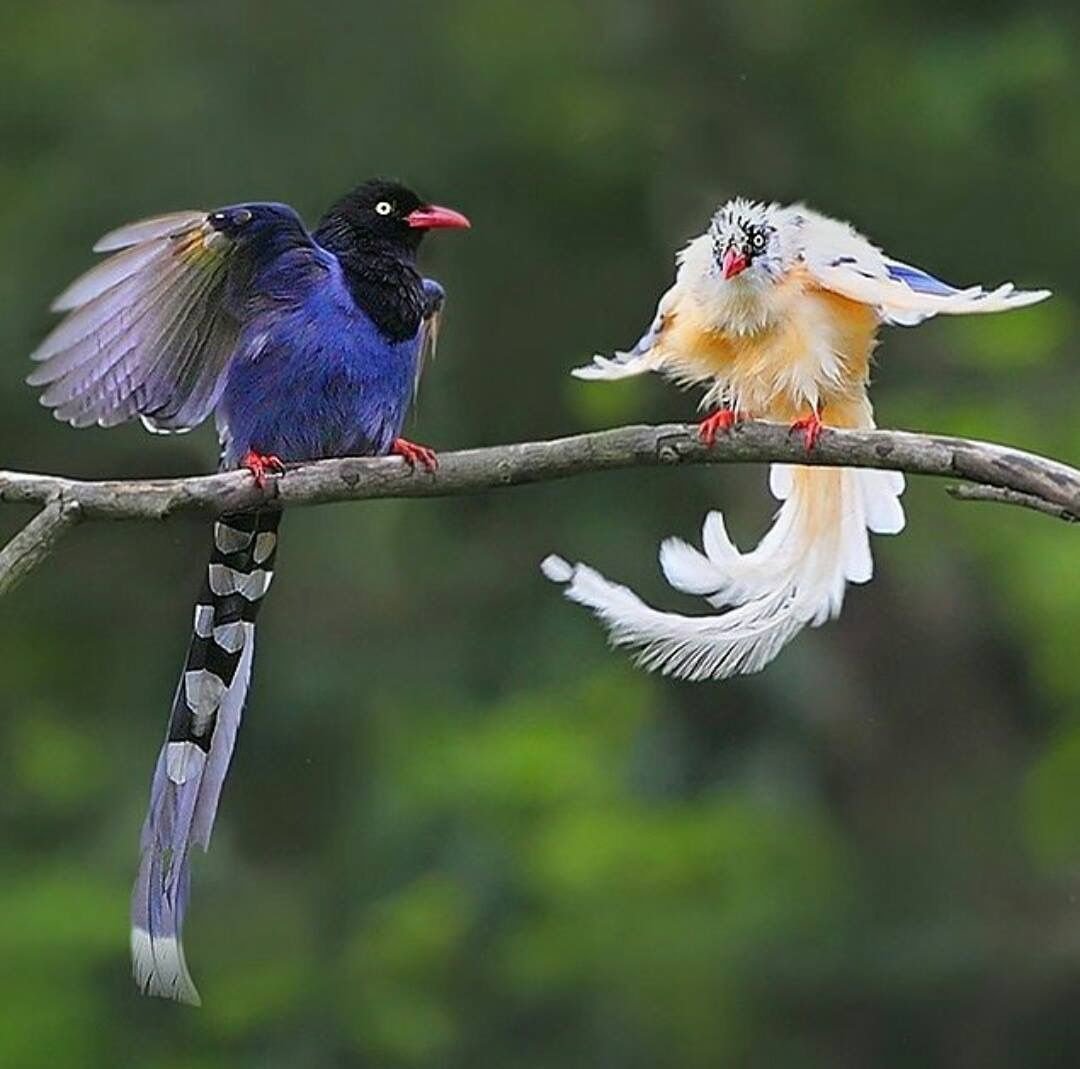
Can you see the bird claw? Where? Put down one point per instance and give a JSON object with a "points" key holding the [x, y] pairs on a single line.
{"points": [[810, 426], [259, 464], [723, 419], [414, 454]]}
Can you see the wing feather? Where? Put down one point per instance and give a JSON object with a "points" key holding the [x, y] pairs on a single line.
{"points": [[168, 380], [157, 226], [641, 358], [107, 275], [843, 261], [148, 332], [150, 322], [158, 379], [66, 372]]}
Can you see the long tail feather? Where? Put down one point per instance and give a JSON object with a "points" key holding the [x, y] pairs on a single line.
{"points": [[194, 759], [795, 576]]}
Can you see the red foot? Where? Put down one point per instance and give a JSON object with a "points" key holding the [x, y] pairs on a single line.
{"points": [[415, 454], [811, 428], [723, 419], [261, 463]]}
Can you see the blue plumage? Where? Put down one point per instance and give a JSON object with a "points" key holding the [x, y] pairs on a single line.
{"points": [[312, 375], [919, 280], [303, 346]]}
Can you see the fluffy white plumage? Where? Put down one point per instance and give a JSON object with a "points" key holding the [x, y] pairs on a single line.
{"points": [[835, 257], [795, 576], [775, 311]]}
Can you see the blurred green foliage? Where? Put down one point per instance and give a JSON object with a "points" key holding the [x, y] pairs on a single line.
{"points": [[459, 832]]}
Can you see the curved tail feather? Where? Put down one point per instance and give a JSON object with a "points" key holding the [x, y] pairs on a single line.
{"points": [[795, 576], [194, 759]]}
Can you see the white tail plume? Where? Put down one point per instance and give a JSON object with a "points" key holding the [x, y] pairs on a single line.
{"points": [[796, 575]]}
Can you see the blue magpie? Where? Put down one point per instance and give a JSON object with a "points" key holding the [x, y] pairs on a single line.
{"points": [[303, 345]]}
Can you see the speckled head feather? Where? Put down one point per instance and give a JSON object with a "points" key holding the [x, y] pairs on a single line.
{"points": [[756, 231]]}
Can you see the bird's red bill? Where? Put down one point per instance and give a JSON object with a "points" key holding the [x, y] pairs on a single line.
{"points": [[733, 263], [433, 217]]}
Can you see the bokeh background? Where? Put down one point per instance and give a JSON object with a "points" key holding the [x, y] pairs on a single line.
{"points": [[458, 831]]}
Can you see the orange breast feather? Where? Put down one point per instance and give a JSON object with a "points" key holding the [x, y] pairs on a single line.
{"points": [[817, 344]]}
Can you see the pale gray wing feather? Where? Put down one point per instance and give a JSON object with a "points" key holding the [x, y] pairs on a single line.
{"points": [[840, 259], [644, 356], [157, 226], [146, 332]]}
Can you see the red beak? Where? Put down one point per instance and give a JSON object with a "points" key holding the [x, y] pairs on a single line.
{"points": [[432, 217], [732, 263]]}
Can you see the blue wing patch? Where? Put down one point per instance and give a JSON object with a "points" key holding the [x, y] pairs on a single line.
{"points": [[918, 280]]}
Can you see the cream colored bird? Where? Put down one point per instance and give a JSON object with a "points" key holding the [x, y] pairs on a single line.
{"points": [[775, 310]]}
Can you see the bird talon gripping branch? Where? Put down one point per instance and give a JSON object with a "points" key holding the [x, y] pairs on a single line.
{"points": [[329, 371], [722, 420], [260, 464], [810, 427], [414, 454], [777, 310]]}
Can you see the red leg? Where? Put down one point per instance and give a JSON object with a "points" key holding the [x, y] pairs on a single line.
{"points": [[415, 454], [261, 463], [723, 419], [811, 428]]}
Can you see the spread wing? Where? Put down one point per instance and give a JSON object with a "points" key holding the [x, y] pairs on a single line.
{"points": [[636, 361], [150, 331], [843, 261]]}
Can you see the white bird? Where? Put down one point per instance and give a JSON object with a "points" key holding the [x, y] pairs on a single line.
{"points": [[775, 310]]}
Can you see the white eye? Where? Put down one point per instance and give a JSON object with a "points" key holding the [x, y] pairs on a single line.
{"points": [[758, 241], [384, 207]]}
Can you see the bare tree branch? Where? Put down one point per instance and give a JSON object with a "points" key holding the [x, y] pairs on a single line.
{"points": [[969, 492], [1001, 474], [36, 541]]}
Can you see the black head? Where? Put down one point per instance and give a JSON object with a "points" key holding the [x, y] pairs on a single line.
{"points": [[382, 214]]}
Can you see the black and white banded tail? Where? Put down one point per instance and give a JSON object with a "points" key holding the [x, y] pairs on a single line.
{"points": [[194, 760]]}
